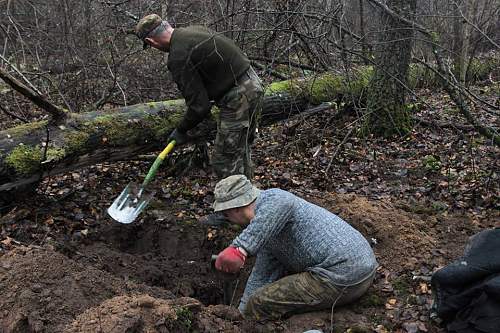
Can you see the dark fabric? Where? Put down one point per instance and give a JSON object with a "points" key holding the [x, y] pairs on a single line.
{"points": [[205, 65], [467, 291]]}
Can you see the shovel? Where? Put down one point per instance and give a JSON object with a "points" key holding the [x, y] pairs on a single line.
{"points": [[134, 198]]}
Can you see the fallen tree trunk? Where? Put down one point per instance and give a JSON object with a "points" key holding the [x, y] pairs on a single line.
{"points": [[36, 150], [30, 152]]}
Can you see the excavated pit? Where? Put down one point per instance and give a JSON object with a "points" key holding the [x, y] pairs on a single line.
{"points": [[172, 256]]}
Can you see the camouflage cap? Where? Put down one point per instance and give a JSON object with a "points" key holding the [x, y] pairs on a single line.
{"points": [[146, 25], [234, 191]]}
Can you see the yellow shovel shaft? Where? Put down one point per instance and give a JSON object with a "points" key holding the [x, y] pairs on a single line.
{"points": [[157, 163], [167, 150]]}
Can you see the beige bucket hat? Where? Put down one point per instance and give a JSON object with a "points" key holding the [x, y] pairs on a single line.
{"points": [[234, 191]]}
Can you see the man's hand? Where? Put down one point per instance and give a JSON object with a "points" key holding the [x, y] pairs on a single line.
{"points": [[231, 260], [179, 137]]}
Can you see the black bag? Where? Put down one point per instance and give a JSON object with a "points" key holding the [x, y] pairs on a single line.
{"points": [[467, 291]]}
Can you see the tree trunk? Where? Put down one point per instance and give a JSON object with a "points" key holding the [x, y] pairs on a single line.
{"points": [[363, 41], [461, 38], [386, 110]]}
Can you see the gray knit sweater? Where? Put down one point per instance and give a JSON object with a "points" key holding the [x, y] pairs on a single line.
{"points": [[289, 234]]}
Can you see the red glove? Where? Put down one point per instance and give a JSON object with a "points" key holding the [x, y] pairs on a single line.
{"points": [[230, 260]]}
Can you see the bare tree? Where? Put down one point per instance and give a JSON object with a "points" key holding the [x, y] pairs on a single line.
{"points": [[387, 113], [461, 37]]}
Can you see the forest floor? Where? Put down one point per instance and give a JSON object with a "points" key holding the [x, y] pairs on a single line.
{"points": [[66, 266]]}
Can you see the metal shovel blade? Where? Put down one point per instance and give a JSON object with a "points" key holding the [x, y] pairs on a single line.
{"points": [[130, 203]]}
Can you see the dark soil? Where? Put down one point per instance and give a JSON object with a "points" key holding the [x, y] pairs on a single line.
{"points": [[43, 290], [111, 270]]}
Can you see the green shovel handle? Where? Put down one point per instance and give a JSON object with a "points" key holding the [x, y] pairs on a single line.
{"points": [[157, 163]]}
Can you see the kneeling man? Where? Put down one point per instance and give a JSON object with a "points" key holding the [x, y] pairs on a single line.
{"points": [[307, 258]]}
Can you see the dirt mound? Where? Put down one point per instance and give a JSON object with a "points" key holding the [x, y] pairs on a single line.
{"points": [[400, 239], [43, 290], [86, 285], [141, 313]]}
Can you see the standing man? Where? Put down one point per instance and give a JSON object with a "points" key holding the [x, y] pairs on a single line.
{"points": [[307, 258], [208, 67]]}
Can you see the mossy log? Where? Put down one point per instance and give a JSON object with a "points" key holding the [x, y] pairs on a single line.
{"points": [[33, 151]]}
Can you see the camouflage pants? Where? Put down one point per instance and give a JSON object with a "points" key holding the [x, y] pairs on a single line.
{"points": [[239, 111], [298, 293]]}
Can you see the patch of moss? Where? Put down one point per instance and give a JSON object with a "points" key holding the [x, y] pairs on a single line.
{"points": [[439, 206], [117, 131], [21, 130], [25, 159], [420, 76], [173, 102], [55, 153], [324, 88], [386, 119], [434, 37], [184, 317], [431, 163], [162, 126], [76, 141], [190, 222], [496, 88], [479, 69], [215, 112], [360, 81], [288, 86], [185, 192]]}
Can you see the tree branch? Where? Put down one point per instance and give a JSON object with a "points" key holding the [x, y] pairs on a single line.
{"points": [[55, 111], [15, 116]]}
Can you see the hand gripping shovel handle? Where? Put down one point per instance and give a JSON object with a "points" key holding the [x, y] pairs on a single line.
{"points": [[156, 164]]}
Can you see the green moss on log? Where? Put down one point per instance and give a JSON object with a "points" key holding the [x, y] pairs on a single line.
{"points": [[434, 37], [329, 87], [359, 81], [117, 131], [323, 88], [76, 141], [55, 154], [292, 87], [420, 76], [162, 126], [25, 159], [21, 130]]}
